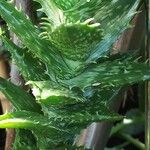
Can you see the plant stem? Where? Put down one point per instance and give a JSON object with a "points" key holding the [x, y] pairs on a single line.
{"points": [[122, 145], [135, 142]]}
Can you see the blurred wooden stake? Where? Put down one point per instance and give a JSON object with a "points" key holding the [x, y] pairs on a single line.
{"points": [[4, 74]]}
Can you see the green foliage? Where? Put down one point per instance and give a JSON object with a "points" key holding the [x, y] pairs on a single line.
{"points": [[19, 98], [55, 94], [23, 59], [75, 40], [24, 140], [111, 74], [63, 62]]}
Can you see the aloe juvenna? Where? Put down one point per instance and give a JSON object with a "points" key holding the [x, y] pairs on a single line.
{"points": [[66, 60]]}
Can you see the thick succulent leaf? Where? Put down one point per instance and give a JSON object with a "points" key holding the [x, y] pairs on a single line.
{"points": [[114, 17], [75, 10], [29, 35], [20, 99], [111, 74], [76, 41], [78, 118], [54, 94], [48, 131], [80, 111], [67, 5], [31, 67], [80, 114], [24, 140], [46, 134], [26, 120], [104, 95], [60, 11], [54, 14], [71, 11]]}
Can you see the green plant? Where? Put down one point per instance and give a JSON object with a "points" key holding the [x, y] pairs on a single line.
{"points": [[67, 62]]}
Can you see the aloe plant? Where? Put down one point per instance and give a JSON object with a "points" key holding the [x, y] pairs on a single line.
{"points": [[67, 62]]}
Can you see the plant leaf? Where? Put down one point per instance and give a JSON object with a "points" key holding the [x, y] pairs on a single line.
{"points": [[20, 99], [114, 17], [54, 94], [81, 114], [76, 41], [30, 67], [29, 35], [111, 74], [25, 120], [46, 134], [120, 14], [54, 14], [25, 140]]}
